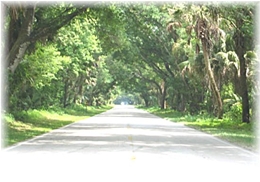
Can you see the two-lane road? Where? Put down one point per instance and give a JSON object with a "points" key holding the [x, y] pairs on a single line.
{"points": [[127, 144]]}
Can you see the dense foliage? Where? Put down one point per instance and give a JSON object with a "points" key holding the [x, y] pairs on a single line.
{"points": [[195, 58]]}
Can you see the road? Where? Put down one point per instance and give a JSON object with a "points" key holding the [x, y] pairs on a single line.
{"points": [[127, 144]]}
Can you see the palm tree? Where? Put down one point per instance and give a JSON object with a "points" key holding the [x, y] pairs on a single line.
{"points": [[207, 32]]}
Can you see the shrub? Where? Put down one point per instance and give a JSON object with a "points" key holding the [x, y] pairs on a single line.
{"points": [[235, 112]]}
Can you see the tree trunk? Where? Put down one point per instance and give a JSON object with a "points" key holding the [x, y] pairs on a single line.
{"points": [[146, 102], [163, 96], [244, 93], [240, 51], [90, 101], [182, 107], [65, 94], [20, 45], [202, 32], [213, 84]]}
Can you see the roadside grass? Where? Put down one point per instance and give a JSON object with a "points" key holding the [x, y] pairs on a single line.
{"points": [[236, 132], [25, 125]]}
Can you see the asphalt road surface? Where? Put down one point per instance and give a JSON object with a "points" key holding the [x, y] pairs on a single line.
{"points": [[127, 144]]}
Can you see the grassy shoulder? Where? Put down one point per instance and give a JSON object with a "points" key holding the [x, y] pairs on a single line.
{"points": [[235, 132], [25, 125]]}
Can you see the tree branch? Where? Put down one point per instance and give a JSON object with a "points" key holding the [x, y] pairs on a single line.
{"points": [[53, 26]]}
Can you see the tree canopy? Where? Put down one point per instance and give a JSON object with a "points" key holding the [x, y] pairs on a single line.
{"points": [[188, 57]]}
